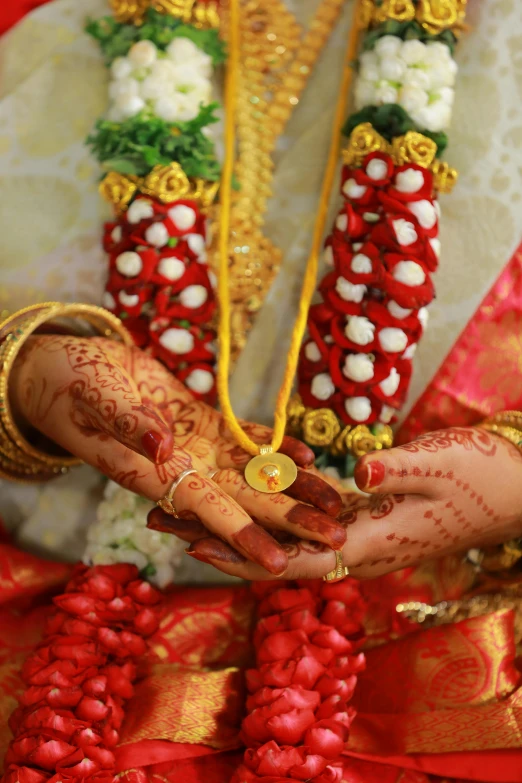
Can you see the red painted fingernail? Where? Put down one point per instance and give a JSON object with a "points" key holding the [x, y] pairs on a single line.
{"points": [[309, 488], [198, 556], [212, 549], [260, 547], [152, 442], [369, 474]]}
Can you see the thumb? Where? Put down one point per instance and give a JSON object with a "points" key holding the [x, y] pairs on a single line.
{"points": [[396, 471], [116, 409]]}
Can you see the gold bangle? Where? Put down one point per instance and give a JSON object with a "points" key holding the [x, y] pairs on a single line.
{"points": [[19, 460], [506, 424]]}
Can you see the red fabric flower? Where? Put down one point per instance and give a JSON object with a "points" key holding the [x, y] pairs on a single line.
{"points": [[71, 710], [298, 719]]}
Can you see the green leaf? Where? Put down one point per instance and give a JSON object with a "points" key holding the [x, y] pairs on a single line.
{"points": [[144, 141], [173, 241], [115, 38], [120, 165]]}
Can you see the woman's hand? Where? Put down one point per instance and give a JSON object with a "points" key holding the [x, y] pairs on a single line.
{"points": [[449, 491], [124, 413]]}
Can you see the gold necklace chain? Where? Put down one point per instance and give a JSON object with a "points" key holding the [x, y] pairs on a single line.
{"points": [[276, 61]]}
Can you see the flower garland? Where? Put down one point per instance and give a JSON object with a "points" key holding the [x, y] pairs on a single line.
{"points": [[121, 535], [356, 366], [156, 145], [80, 676], [306, 640]]}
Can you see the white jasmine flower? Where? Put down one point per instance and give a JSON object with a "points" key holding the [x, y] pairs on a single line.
{"points": [[409, 273], [413, 98], [129, 105], [177, 341], [120, 535], [424, 211], [171, 268], [193, 296], [360, 330], [392, 69], [358, 408], [129, 263], [128, 300], [157, 235], [358, 367], [350, 292], [376, 169], [404, 231], [386, 93], [200, 381], [413, 51], [388, 46], [122, 88], [141, 209], [353, 190], [361, 264], [416, 77], [435, 117], [142, 54], [392, 339], [322, 386], [397, 311], [182, 216], [386, 414], [390, 384], [312, 352], [121, 68], [409, 181], [197, 244]]}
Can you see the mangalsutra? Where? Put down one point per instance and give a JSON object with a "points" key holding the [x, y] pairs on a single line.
{"points": [[270, 471]]}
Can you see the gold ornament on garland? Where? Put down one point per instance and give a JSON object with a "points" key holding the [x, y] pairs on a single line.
{"points": [[321, 428], [188, 11], [413, 147], [435, 16], [164, 183]]}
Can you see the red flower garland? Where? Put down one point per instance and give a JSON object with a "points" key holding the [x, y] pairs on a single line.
{"points": [[80, 676], [161, 287], [298, 718], [383, 250]]}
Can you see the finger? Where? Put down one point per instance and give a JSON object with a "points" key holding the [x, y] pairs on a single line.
{"points": [[187, 529], [198, 495], [402, 470], [306, 565], [75, 382], [227, 519], [131, 423], [311, 489], [281, 512], [233, 456]]}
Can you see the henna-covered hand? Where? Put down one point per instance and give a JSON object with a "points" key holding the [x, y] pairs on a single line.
{"points": [[121, 411], [447, 492]]}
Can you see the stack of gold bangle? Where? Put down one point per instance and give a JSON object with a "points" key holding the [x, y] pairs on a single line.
{"points": [[19, 459], [507, 424]]}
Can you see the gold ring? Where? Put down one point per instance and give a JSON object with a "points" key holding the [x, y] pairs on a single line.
{"points": [[339, 572], [167, 501]]}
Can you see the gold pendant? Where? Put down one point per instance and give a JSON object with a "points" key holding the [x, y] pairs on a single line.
{"points": [[269, 472]]}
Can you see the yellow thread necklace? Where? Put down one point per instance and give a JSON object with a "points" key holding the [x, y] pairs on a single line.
{"points": [[270, 471]]}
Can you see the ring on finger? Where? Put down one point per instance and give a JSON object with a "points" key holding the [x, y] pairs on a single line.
{"points": [[212, 473], [167, 501], [339, 572]]}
